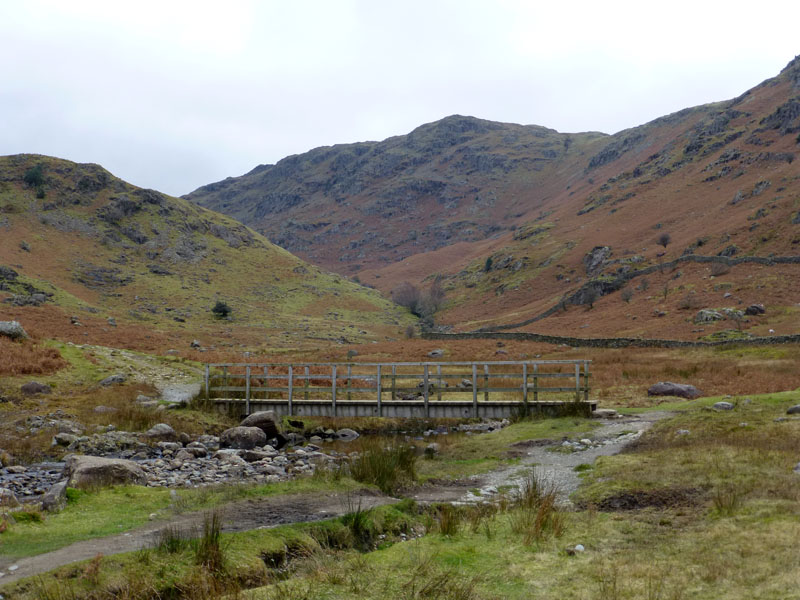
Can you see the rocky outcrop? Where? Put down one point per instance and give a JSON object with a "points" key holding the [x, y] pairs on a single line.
{"points": [[55, 498], [95, 471], [668, 388]]}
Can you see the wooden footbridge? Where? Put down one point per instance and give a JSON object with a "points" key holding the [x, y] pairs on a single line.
{"points": [[496, 389]]}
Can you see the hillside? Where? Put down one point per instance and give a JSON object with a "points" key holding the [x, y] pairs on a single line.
{"points": [[87, 257], [462, 194]]}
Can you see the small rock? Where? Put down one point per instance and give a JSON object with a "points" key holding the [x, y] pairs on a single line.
{"points": [[104, 409], [116, 379], [436, 353], [163, 432], [34, 387], [794, 410], [668, 388], [346, 434], [8, 499], [797, 468], [755, 309], [195, 344], [55, 498], [605, 413], [682, 432], [723, 406]]}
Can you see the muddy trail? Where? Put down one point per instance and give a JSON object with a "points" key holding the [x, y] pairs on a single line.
{"points": [[555, 461]]}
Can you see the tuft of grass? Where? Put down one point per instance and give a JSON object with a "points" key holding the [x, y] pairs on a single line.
{"points": [[387, 467], [171, 540], [209, 551]]}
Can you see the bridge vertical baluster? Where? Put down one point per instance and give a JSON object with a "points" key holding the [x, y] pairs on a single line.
{"points": [[485, 382], [266, 382], [439, 383], [333, 389], [206, 377], [291, 388], [225, 375], [536, 385], [380, 390], [577, 382], [586, 380], [394, 382], [425, 384], [349, 374], [247, 389], [525, 387], [474, 391]]}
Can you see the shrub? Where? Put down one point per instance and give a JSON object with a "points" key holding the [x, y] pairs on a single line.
{"points": [[221, 310], [34, 177], [627, 295], [664, 239], [386, 467]]}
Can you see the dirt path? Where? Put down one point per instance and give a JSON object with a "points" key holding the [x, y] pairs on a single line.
{"points": [[557, 467], [261, 513]]}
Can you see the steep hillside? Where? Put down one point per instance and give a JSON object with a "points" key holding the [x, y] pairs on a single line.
{"points": [[515, 218], [87, 257]]}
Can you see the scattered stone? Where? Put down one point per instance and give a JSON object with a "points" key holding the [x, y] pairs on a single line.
{"points": [[265, 420], [668, 388], [93, 471], [682, 432], [33, 388], [432, 449], [64, 439], [708, 315], [605, 413], [55, 498], [116, 379], [163, 432], [755, 309], [195, 344], [104, 409], [723, 406], [13, 330], [797, 469], [794, 410], [436, 353], [346, 434], [245, 438], [112, 322], [8, 499]]}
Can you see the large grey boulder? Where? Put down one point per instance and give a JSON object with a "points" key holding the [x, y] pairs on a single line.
{"points": [[244, 438], [723, 406], [794, 410], [755, 309], [96, 471], [668, 388], [265, 420], [707, 315], [13, 330], [346, 434], [55, 498], [162, 432]]}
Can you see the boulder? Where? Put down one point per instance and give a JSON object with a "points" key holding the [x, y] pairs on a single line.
{"points": [[605, 413], [245, 438], [755, 309], [8, 499], [13, 330], [94, 471], [113, 380], [794, 410], [707, 315], [723, 406], [266, 421], [255, 455], [346, 434], [162, 432], [56, 497], [64, 439], [34, 387], [667, 388]]}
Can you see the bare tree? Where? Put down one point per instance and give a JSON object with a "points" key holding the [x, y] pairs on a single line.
{"points": [[627, 295], [664, 239], [408, 295]]}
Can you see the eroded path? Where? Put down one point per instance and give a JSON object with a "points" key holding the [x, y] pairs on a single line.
{"points": [[557, 467]]}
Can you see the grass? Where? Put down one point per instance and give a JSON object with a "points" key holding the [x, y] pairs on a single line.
{"points": [[386, 466], [28, 358]]}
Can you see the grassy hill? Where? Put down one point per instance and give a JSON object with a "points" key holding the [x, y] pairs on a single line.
{"points": [[134, 267], [509, 215]]}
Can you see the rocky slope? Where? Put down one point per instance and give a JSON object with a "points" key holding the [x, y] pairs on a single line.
{"points": [[514, 217], [88, 257]]}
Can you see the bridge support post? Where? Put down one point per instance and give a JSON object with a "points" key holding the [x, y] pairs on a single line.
{"points": [[380, 390], [474, 391], [425, 384], [291, 388]]}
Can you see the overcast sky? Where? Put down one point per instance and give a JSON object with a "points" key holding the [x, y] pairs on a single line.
{"points": [[173, 95]]}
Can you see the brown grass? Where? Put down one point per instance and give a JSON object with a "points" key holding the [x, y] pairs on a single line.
{"points": [[28, 358]]}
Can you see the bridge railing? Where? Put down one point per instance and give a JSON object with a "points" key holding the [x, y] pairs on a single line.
{"points": [[390, 382]]}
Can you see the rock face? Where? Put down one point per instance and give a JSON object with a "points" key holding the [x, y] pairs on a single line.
{"points": [[243, 438], [595, 260], [667, 388], [13, 330], [265, 420], [34, 387], [93, 471]]}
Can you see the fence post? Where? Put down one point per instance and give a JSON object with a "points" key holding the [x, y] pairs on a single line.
{"points": [[586, 380], [380, 390], [525, 387], [425, 384], [247, 389], [485, 382], [394, 382], [291, 388], [474, 391], [333, 389], [577, 381], [206, 378]]}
